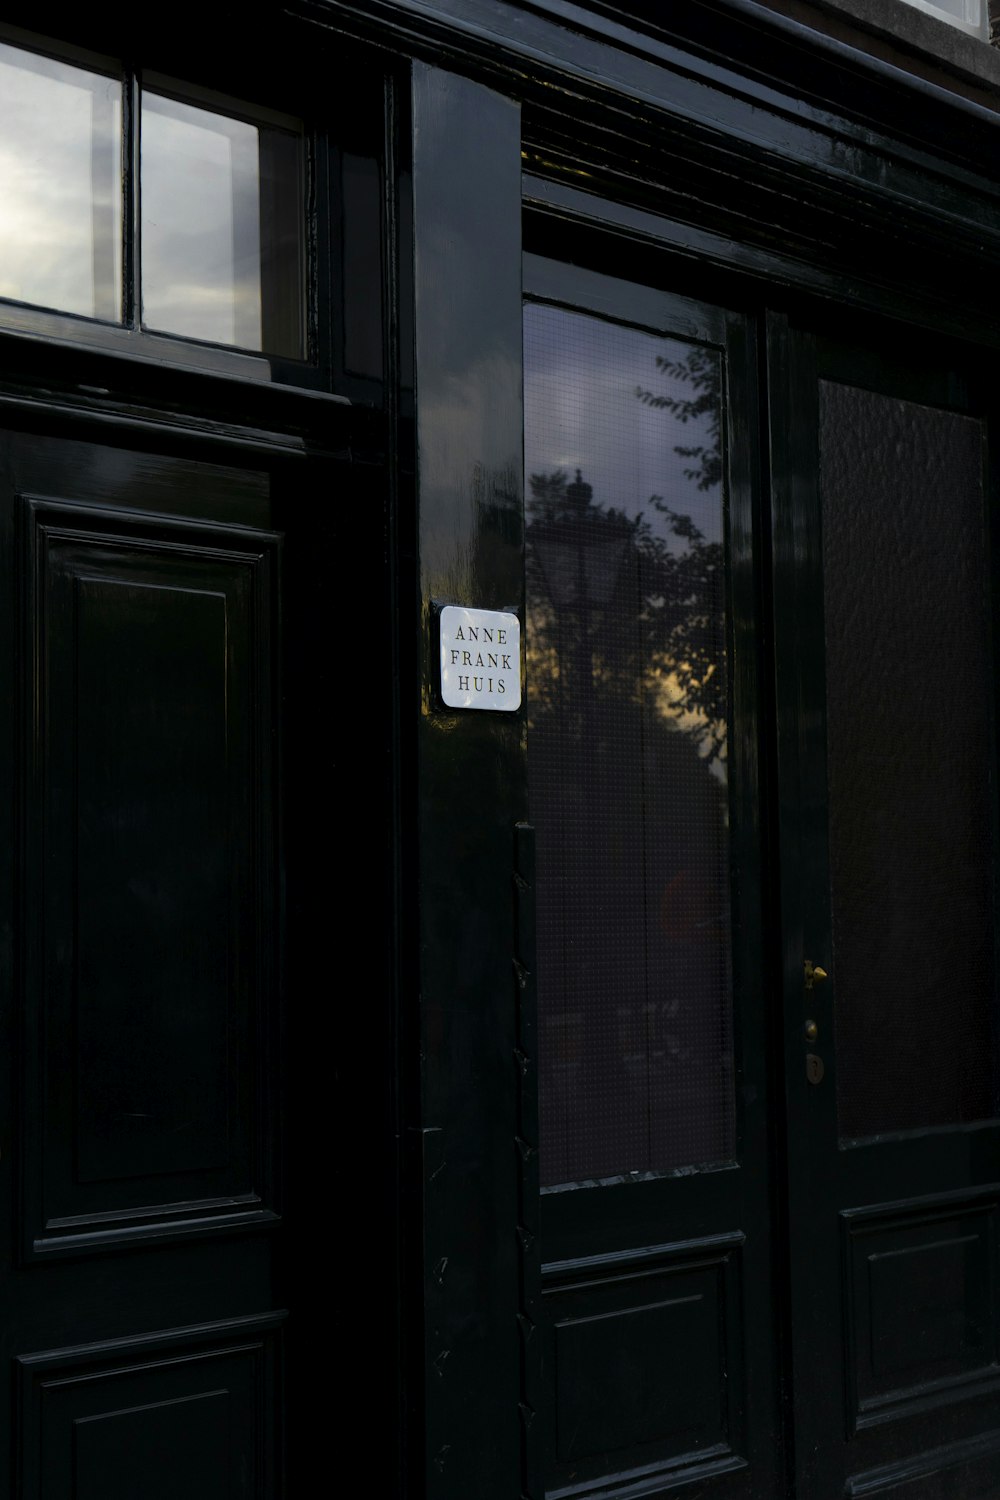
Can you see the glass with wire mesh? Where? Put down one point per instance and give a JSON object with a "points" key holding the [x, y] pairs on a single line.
{"points": [[627, 738]]}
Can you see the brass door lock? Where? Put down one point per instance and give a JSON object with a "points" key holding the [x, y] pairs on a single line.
{"points": [[814, 974]]}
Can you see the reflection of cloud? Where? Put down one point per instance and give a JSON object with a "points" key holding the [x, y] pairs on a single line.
{"points": [[197, 308], [60, 184], [581, 411], [200, 223]]}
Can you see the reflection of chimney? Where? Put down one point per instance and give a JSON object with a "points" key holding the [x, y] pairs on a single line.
{"points": [[579, 493]]}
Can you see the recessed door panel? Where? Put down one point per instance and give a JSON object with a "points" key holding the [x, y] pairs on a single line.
{"points": [[152, 1416], [146, 854], [614, 1325]]}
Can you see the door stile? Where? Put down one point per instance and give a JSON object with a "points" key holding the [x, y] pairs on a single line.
{"points": [[753, 897], [467, 333], [815, 1384], [991, 492]]}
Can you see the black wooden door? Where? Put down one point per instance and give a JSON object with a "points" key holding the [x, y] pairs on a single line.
{"points": [[141, 1314], [643, 684], [888, 774]]}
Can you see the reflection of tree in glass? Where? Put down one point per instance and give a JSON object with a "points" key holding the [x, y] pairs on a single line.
{"points": [[626, 749], [646, 613], [665, 640], [699, 369]]}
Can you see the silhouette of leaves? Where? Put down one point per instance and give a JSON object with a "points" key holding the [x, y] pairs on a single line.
{"points": [[699, 371]]}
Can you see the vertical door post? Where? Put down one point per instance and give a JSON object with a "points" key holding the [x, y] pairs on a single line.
{"points": [[470, 782]]}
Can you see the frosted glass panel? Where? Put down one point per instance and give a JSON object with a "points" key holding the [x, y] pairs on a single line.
{"points": [[909, 762], [60, 185]]}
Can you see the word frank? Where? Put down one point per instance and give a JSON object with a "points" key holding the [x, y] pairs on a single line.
{"points": [[480, 659]]}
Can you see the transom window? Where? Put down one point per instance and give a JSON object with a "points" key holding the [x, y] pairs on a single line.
{"points": [[150, 205]]}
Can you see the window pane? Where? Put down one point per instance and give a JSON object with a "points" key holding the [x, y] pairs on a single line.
{"points": [[222, 213], [627, 705], [60, 185], [909, 762]]}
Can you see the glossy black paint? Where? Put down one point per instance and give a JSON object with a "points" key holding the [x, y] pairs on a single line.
{"points": [[466, 194], [871, 1409], [141, 1154], [729, 123], [718, 150], [529, 1205], [113, 1285]]}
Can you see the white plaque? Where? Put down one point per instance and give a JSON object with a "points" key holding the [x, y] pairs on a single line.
{"points": [[480, 658]]}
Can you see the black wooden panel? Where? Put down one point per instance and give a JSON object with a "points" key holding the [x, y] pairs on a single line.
{"points": [[151, 972], [921, 1295], [190, 1412], [956, 1471], [644, 1367], [171, 1446], [149, 866]]}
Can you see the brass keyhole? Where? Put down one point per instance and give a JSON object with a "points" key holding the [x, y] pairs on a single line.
{"points": [[814, 1068]]}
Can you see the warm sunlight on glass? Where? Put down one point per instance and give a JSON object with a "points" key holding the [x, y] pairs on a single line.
{"points": [[627, 687]]}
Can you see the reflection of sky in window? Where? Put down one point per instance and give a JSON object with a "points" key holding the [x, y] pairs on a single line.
{"points": [[582, 412], [60, 185], [200, 224]]}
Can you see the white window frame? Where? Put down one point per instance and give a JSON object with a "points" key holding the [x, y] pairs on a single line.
{"points": [[972, 26]]}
